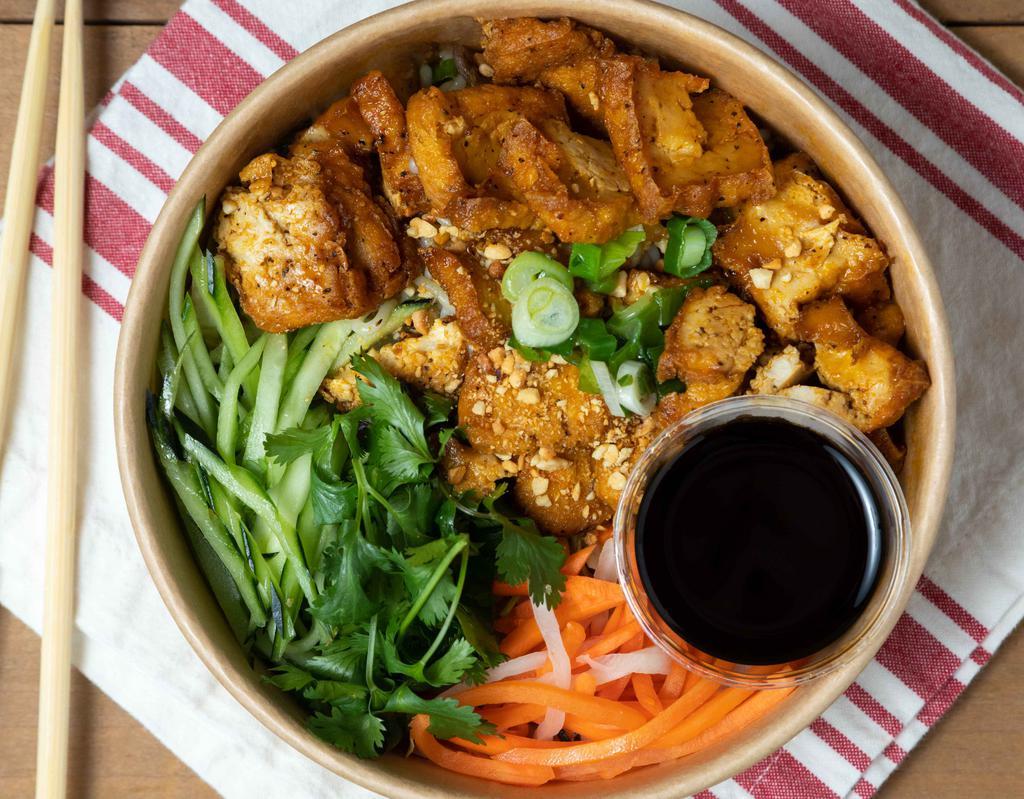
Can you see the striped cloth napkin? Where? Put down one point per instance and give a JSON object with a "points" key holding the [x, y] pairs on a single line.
{"points": [[946, 127]]}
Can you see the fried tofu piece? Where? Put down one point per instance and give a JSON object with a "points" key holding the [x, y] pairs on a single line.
{"points": [[779, 371], [895, 454], [571, 182], [287, 246], [884, 321], [456, 138], [652, 127], [580, 83], [479, 307], [381, 109], [521, 49], [879, 379], [470, 469], [801, 245], [711, 345], [434, 361], [835, 402], [343, 124]]}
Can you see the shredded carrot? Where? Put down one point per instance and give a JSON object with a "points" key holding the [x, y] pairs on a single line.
{"points": [[576, 587], [591, 730], [673, 685], [504, 624], [748, 712], [464, 763], [710, 713], [584, 683], [589, 707], [643, 687], [572, 637], [507, 589], [524, 610], [692, 678], [628, 742], [617, 617], [527, 635], [613, 690], [496, 744], [577, 560], [508, 716], [609, 642]]}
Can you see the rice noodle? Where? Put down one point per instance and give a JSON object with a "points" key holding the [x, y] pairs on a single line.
{"points": [[607, 568], [561, 668], [611, 667], [516, 666]]}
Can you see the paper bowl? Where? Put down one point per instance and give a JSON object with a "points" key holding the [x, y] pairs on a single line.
{"points": [[286, 101]]}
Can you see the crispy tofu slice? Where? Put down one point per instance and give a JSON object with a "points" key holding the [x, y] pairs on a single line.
{"points": [[779, 371], [521, 49], [456, 138], [884, 321], [571, 182], [287, 246], [801, 245], [879, 379], [341, 124], [711, 345], [835, 402], [381, 109], [434, 361], [480, 309]]}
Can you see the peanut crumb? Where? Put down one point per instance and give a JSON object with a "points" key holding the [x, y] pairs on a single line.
{"points": [[528, 396], [479, 408]]}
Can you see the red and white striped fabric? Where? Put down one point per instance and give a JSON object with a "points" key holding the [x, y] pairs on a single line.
{"points": [[945, 125]]}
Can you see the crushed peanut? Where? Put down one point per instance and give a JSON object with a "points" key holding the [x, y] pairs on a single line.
{"points": [[486, 70], [539, 486], [497, 252], [528, 396], [420, 228], [479, 408], [543, 501], [825, 212], [761, 278], [617, 481]]}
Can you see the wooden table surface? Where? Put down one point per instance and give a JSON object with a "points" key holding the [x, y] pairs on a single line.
{"points": [[975, 751]]}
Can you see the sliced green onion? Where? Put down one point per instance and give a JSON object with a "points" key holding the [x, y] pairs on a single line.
{"points": [[587, 382], [616, 252], [528, 267], [585, 261], [593, 336], [609, 390], [636, 388], [688, 252], [446, 69], [545, 314]]}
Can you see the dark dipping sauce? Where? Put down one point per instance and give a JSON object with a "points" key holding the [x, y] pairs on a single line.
{"points": [[759, 543]]}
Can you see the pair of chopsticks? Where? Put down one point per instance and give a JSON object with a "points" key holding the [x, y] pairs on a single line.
{"points": [[19, 211]]}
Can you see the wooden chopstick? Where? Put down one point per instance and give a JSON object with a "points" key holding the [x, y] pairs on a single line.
{"points": [[58, 613], [19, 204]]}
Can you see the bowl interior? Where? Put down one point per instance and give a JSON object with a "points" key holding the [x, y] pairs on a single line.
{"points": [[388, 42]]}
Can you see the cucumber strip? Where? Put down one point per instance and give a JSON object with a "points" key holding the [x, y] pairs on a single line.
{"points": [[241, 484], [315, 366], [176, 297], [225, 365], [173, 394], [187, 487], [297, 351], [200, 355], [268, 396], [227, 419], [210, 291], [388, 319], [268, 585]]}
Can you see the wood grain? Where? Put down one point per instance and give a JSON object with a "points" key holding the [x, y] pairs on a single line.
{"points": [[974, 751]]}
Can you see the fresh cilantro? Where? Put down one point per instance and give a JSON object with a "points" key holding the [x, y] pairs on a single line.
{"points": [[290, 445], [350, 726], [448, 719], [333, 502], [349, 567], [438, 408], [388, 403], [526, 555], [289, 678]]}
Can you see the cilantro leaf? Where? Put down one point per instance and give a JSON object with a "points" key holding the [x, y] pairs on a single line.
{"points": [[290, 445], [418, 578], [344, 659], [438, 408], [386, 402], [350, 727], [448, 719], [349, 566], [523, 554], [335, 692], [289, 678], [449, 668], [334, 501], [398, 458], [480, 637]]}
